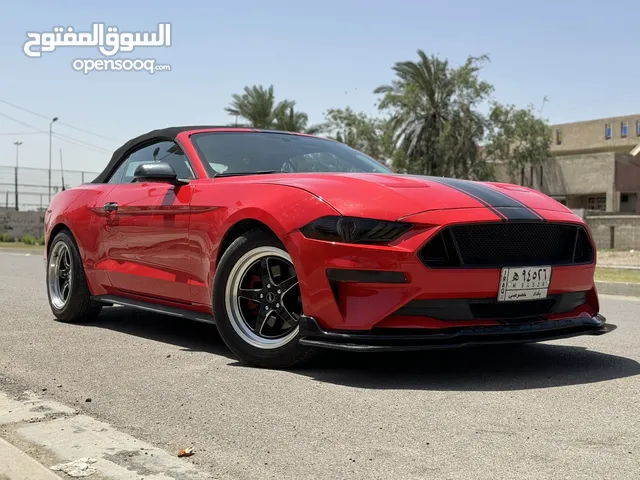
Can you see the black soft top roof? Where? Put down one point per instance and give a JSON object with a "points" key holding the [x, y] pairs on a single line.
{"points": [[166, 134]]}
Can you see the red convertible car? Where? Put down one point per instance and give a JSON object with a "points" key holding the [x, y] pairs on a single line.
{"points": [[290, 243]]}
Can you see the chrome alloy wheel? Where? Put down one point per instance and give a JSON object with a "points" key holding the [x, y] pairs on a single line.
{"points": [[262, 298], [59, 275]]}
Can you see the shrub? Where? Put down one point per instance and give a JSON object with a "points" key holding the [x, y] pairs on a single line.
{"points": [[29, 239], [40, 240], [6, 237]]}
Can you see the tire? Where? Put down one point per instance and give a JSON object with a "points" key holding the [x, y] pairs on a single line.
{"points": [[274, 342], [71, 303]]}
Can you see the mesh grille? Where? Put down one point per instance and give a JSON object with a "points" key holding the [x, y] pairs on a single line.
{"points": [[515, 244]]}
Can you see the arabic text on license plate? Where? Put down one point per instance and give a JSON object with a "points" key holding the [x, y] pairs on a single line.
{"points": [[524, 283]]}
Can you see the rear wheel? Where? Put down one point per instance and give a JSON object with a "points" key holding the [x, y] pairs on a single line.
{"points": [[67, 289], [257, 302]]}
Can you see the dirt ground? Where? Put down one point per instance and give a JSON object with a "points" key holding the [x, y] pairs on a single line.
{"points": [[618, 257]]}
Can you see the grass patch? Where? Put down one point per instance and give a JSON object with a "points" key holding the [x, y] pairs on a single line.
{"points": [[20, 246], [617, 275]]}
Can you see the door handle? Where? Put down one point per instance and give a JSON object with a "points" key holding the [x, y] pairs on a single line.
{"points": [[110, 207]]}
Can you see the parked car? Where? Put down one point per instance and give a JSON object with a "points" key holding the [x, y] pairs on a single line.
{"points": [[290, 243]]}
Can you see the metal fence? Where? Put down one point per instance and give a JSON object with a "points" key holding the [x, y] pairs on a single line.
{"points": [[26, 188]]}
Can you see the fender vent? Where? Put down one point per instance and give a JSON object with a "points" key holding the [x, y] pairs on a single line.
{"points": [[440, 251], [584, 251]]}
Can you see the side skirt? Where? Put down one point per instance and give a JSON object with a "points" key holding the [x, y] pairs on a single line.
{"points": [[110, 300]]}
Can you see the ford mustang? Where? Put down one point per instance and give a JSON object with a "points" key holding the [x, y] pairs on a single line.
{"points": [[290, 243]]}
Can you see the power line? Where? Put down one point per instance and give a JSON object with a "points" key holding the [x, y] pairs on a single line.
{"points": [[20, 133], [80, 143], [22, 123], [59, 123], [58, 135]]}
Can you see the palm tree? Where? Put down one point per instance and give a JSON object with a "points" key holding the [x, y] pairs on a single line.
{"points": [[288, 119], [256, 105], [433, 118]]}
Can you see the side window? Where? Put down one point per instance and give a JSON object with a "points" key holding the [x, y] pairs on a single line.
{"points": [[117, 175], [172, 154], [168, 152]]}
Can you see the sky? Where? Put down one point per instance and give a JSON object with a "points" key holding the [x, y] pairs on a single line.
{"points": [[581, 55]]}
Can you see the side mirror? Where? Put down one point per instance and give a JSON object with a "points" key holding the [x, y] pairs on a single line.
{"points": [[157, 172]]}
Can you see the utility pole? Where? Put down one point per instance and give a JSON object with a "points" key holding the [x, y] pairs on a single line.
{"points": [[61, 170], [55, 119], [17, 144]]}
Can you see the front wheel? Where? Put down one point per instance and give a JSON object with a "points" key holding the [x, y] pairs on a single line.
{"points": [[257, 302]]}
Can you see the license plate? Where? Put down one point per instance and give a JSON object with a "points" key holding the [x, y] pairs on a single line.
{"points": [[524, 283]]}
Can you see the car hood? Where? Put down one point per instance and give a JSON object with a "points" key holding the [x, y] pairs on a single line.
{"points": [[394, 196]]}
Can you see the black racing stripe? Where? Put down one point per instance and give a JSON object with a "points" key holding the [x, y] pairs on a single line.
{"points": [[506, 206], [521, 205], [518, 213], [499, 214]]}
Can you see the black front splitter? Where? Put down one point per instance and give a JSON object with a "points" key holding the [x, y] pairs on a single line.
{"points": [[388, 340]]}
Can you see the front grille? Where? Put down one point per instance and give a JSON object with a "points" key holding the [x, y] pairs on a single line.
{"points": [[487, 245]]}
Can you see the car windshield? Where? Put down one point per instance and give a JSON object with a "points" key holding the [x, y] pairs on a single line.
{"points": [[227, 153]]}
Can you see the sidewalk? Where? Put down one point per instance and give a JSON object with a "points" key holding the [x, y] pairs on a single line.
{"points": [[17, 465]]}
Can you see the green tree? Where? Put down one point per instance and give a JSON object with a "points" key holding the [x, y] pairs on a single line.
{"points": [[290, 120], [367, 134], [434, 116], [257, 105], [516, 137]]}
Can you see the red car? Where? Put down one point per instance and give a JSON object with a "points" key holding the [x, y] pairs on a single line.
{"points": [[290, 243]]}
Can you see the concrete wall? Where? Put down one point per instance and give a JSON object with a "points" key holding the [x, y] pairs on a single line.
{"points": [[569, 175], [18, 224], [627, 173], [572, 175], [628, 181], [587, 136], [579, 177], [626, 231], [626, 228], [579, 174]]}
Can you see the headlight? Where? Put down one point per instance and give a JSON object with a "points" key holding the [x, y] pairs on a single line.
{"points": [[354, 230]]}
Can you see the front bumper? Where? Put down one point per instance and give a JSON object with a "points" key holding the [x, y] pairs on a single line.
{"points": [[360, 287], [383, 340]]}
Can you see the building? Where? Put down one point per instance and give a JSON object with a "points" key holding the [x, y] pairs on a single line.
{"points": [[592, 165]]}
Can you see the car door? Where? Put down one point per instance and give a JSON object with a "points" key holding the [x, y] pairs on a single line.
{"points": [[146, 230]]}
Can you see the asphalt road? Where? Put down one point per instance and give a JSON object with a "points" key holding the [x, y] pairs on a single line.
{"points": [[564, 409]]}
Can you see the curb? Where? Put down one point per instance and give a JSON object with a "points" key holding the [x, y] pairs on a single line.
{"points": [[619, 288], [17, 465]]}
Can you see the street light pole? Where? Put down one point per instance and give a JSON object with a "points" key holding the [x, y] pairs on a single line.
{"points": [[17, 144], [55, 119]]}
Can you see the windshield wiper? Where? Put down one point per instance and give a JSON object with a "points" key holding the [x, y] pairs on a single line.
{"points": [[237, 174]]}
